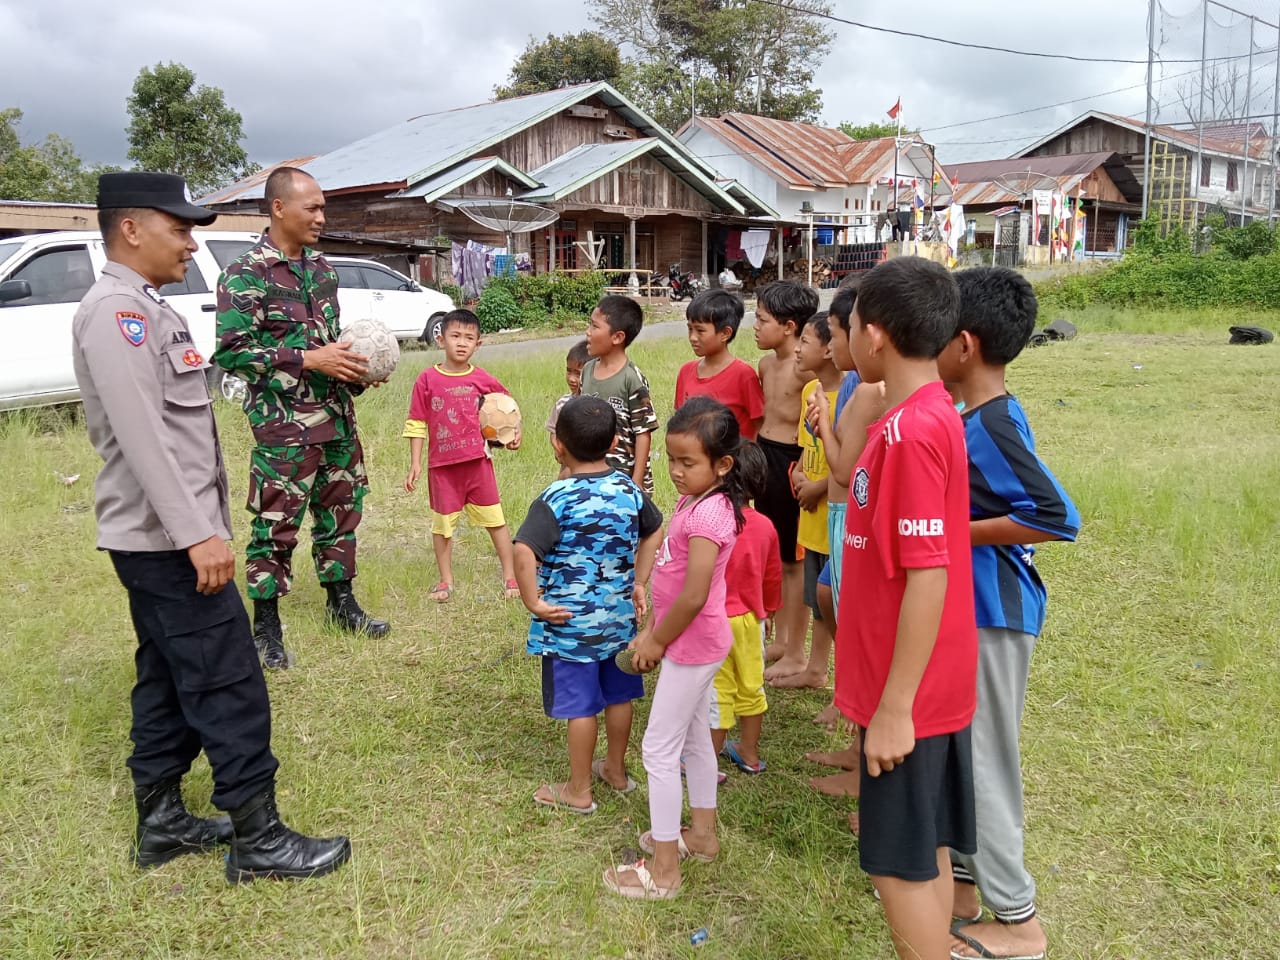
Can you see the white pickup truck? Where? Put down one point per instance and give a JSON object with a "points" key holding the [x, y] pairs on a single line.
{"points": [[44, 276]]}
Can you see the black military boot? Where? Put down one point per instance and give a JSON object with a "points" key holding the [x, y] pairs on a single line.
{"points": [[165, 828], [265, 847], [268, 635], [346, 613]]}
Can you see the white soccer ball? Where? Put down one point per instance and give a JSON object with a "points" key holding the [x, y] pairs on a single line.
{"points": [[500, 420], [371, 338]]}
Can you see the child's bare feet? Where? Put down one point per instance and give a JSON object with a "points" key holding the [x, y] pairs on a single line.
{"points": [[829, 717], [774, 651], [785, 668], [995, 939], [846, 784], [853, 823], [810, 679], [618, 779], [849, 759]]}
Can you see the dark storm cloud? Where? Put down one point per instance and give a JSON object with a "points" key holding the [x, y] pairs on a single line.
{"points": [[309, 78]]}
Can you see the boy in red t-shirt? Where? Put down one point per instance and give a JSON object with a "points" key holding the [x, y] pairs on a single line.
{"points": [[714, 317], [445, 405], [907, 653]]}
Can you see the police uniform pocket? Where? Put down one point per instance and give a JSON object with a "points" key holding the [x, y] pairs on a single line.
{"points": [[184, 383], [208, 641]]}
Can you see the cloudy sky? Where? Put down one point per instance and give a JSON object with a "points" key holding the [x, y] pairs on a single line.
{"points": [[310, 77]]}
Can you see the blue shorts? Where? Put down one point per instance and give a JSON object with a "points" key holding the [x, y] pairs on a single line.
{"points": [[571, 690]]}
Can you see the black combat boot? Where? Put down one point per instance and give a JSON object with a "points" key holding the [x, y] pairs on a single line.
{"points": [[268, 634], [165, 828], [265, 847], [346, 613]]}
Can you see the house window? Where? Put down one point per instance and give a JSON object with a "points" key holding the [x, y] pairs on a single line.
{"points": [[1231, 176], [1206, 169]]}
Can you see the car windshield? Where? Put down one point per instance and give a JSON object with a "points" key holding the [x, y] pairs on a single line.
{"points": [[7, 250]]}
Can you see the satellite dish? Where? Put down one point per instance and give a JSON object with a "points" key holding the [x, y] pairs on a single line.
{"points": [[508, 216], [1021, 185]]}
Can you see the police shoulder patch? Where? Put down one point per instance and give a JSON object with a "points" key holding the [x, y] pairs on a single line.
{"points": [[152, 292], [133, 326]]}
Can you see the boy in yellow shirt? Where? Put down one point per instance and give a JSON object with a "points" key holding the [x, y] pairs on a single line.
{"points": [[809, 477]]}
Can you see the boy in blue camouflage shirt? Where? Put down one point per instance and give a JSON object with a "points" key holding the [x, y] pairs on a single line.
{"points": [[582, 557]]}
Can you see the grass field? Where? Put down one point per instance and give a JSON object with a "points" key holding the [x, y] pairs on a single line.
{"points": [[1151, 758]]}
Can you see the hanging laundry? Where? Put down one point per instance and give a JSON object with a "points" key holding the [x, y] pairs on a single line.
{"points": [[733, 246], [755, 244]]}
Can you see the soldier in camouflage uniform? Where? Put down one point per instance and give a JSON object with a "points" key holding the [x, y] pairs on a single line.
{"points": [[278, 330]]}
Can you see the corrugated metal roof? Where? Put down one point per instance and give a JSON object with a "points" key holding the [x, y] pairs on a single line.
{"points": [[1060, 168], [240, 190], [403, 155], [590, 161], [988, 191], [455, 177], [581, 165], [806, 149], [804, 156], [1230, 149], [864, 159]]}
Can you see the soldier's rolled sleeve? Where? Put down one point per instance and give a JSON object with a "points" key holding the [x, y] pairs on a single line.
{"points": [[127, 378], [240, 349]]}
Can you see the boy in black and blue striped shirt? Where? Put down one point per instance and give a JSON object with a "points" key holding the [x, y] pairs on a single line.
{"points": [[1015, 501]]}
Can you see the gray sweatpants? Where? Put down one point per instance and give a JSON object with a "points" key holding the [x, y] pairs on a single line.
{"points": [[1004, 659]]}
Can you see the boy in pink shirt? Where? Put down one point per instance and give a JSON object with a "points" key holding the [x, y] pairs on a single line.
{"points": [[714, 317], [445, 406]]}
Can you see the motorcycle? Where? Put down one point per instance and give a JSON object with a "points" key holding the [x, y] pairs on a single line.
{"points": [[683, 284]]}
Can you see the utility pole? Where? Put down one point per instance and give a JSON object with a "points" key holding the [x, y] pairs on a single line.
{"points": [[1248, 96], [1195, 190], [1275, 115], [1146, 148]]}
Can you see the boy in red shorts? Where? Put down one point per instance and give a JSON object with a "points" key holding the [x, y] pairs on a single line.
{"points": [[907, 653], [446, 406]]}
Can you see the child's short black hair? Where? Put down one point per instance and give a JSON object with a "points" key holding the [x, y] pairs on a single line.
{"points": [[789, 301], [914, 301], [842, 304], [720, 308], [754, 470], [997, 306], [459, 317], [587, 427], [821, 326], [623, 316], [578, 353]]}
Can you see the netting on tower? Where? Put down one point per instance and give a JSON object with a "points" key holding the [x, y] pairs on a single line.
{"points": [[1214, 99]]}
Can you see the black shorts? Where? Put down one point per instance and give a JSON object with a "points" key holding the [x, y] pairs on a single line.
{"points": [[923, 804], [779, 502], [813, 564]]}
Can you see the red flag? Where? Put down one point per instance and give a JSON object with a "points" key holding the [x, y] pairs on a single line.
{"points": [[894, 110]]}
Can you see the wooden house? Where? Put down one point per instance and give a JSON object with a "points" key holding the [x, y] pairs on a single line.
{"points": [[1103, 182], [1235, 172], [801, 169], [585, 152]]}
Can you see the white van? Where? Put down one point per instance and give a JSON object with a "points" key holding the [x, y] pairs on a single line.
{"points": [[43, 278]]}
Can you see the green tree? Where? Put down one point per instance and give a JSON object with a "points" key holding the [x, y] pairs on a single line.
{"points": [[562, 61], [50, 170], [719, 56], [177, 127], [874, 130]]}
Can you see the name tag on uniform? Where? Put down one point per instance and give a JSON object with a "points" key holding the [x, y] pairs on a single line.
{"points": [[180, 336], [133, 326]]}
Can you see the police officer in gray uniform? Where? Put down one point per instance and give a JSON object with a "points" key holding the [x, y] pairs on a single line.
{"points": [[163, 517]]}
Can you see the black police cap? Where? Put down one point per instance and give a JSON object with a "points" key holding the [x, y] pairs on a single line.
{"points": [[151, 191]]}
